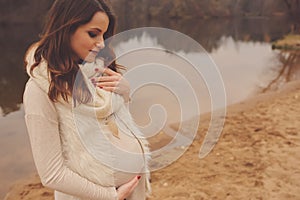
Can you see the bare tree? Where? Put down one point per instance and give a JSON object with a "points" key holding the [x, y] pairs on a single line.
{"points": [[293, 7]]}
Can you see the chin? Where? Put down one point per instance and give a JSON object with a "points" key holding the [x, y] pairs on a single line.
{"points": [[90, 58]]}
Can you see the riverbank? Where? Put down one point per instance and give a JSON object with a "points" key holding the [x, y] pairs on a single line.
{"points": [[289, 42], [257, 157]]}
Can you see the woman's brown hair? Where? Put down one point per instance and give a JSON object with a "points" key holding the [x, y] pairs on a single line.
{"points": [[64, 17]]}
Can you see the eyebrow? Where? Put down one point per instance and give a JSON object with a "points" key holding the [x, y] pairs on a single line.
{"points": [[97, 29]]}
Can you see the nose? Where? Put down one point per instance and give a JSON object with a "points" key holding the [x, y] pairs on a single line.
{"points": [[100, 44]]}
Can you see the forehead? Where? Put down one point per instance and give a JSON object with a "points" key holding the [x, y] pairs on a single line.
{"points": [[100, 20]]}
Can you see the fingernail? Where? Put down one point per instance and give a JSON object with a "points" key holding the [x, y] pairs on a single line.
{"points": [[96, 69], [138, 177]]}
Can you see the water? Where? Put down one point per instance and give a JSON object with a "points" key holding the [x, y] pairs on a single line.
{"points": [[240, 48]]}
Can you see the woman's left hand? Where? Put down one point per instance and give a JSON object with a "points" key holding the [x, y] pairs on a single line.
{"points": [[113, 82]]}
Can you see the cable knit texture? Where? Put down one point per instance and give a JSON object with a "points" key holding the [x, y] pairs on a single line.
{"points": [[91, 146]]}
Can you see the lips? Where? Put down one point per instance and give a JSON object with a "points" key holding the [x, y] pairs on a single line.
{"points": [[93, 51]]}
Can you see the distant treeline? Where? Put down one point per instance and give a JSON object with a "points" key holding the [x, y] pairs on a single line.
{"points": [[208, 8], [28, 10], [202, 8]]}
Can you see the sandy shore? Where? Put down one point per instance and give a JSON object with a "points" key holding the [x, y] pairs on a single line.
{"points": [[257, 157]]}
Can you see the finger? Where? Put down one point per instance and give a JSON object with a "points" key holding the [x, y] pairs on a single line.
{"points": [[109, 89], [133, 183], [109, 72], [135, 179], [134, 186], [106, 78], [109, 78], [126, 189], [107, 84]]}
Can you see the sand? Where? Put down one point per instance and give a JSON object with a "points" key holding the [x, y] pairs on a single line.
{"points": [[257, 157]]}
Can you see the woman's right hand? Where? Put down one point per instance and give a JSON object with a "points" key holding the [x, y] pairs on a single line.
{"points": [[113, 82], [126, 189]]}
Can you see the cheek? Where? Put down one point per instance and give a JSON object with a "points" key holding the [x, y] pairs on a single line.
{"points": [[81, 46]]}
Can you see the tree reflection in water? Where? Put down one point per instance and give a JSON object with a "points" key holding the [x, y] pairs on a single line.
{"points": [[289, 70], [18, 32]]}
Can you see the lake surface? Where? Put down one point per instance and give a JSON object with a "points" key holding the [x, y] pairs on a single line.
{"points": [[241, 49]]}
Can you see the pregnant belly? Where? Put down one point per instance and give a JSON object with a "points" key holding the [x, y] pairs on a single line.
{"points": [[121, 154], [129, 159]]}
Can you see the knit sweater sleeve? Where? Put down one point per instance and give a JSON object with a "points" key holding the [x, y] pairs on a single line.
{"points": [[42, 125]]}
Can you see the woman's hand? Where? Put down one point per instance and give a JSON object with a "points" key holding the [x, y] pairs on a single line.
{"points": [[113, 82], [126, 189]]}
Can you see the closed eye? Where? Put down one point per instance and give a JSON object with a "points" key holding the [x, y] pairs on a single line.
{"points": [[92, 34]]}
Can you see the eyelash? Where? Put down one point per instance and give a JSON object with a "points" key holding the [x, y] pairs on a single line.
{"points": [[92, 34]]}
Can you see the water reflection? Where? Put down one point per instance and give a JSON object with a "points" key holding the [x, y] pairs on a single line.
{"points": [[208, 33], [16, 38], [288, 69]]}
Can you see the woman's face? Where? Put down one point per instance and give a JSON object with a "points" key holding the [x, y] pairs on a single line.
{"points": [[88, 39]]}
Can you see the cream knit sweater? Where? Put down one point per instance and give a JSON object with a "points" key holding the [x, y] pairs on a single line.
{"points": [[88, 149]]}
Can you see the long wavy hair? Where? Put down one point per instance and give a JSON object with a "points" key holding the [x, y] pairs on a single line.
{"points": [[64, 17]]}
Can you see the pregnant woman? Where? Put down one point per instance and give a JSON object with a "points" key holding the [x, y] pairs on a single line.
{"points": [[85, 144]]}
